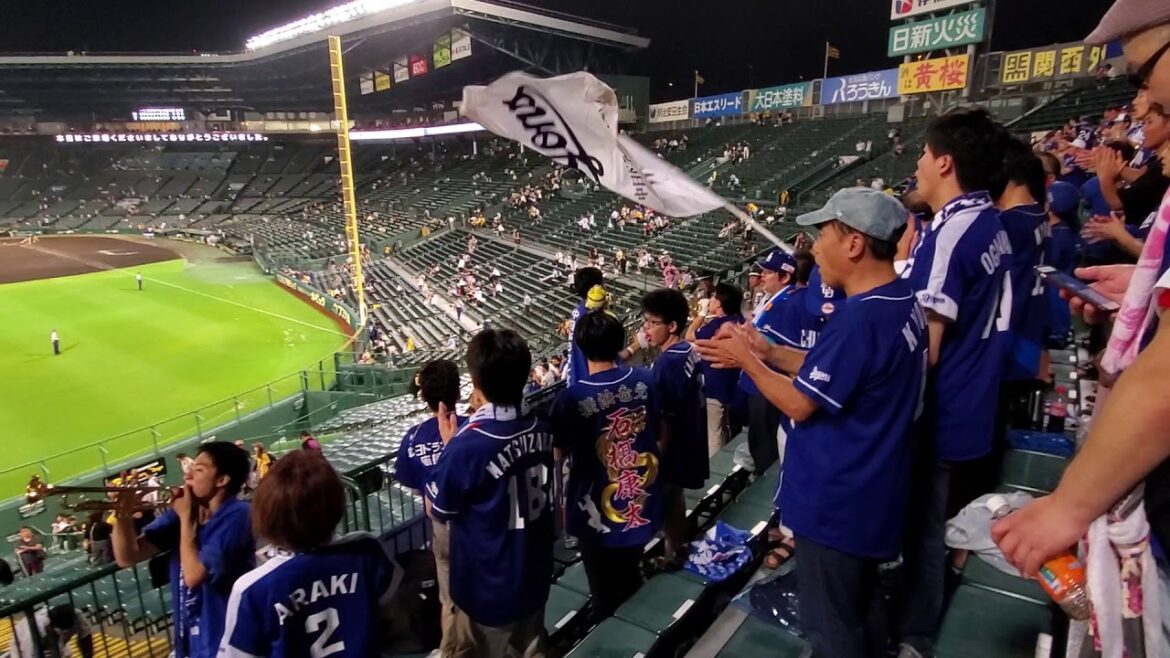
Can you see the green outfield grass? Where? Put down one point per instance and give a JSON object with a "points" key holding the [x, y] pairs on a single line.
{"points": [[196, 335]]}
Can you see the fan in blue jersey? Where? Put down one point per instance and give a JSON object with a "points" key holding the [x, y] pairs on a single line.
{"points": [[778, 269], [682, 402], [853, 397], [1025, 220], [418, 454], [607, 426], [209, 535], [723, 308], [315, 595], [960, 275], [584, 280], [491, 487]]}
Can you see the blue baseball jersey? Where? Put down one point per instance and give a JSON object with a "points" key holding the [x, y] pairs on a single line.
{"points": [[683, 403], [720, 382], [960, 273], [801, 318], [1029, 233], [821, 299], [227, 551], [607, 424], [846, 467], [578, 365], [767, 319], [419, 452], [491, 487], [307, 605]]}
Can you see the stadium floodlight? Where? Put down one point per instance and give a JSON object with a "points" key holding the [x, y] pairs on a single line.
{"points": [[411, 133], [319, 21]]}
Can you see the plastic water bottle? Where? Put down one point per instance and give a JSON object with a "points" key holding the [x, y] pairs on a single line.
{"points": [[1057, 410], [1062, 577]]}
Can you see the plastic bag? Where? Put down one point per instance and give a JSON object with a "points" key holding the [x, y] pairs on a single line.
{"points": [[720, 553], [970, 530]]}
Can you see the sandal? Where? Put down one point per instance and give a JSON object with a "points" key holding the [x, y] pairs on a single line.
{"points": [[779, 552]]}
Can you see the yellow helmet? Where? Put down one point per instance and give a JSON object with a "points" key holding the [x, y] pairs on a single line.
{"points": [[596, 298]]}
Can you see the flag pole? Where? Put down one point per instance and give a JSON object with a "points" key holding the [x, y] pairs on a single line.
{"points": [[825, 72], [757, 227], [696, 95]]}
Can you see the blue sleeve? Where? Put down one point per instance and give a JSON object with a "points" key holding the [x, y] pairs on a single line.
{"points": [[834, 369], [937, 276], [245, 632], [405, 468], [163, 532], [452, 480], [229, 552]]}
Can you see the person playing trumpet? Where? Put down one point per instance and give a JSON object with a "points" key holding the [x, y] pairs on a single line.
{"points": [[209, 533]]}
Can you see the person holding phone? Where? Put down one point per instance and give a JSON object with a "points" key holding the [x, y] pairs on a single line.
{"points": [[1129, 441]]}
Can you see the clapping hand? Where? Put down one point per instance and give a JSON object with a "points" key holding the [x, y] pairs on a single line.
{"points": [[1107, 162]]}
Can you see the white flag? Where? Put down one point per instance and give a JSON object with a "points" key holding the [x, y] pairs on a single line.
{"points": [[573, 119]]}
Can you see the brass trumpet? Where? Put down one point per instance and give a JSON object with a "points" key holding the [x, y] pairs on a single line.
{"points": [[38, 490]]}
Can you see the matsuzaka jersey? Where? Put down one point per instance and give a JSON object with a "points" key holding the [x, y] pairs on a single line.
{"points": [[607, 424], [310, 605], [491, 487]]}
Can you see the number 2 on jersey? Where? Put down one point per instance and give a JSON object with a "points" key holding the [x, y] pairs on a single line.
{"points": [[534, 484], [326, 622]]}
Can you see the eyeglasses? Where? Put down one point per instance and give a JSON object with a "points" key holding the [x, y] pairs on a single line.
{"points": [[1141, 77]]}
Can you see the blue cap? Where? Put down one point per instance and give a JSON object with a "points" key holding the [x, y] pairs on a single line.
{"points": [[869, 211], [778, 260], [1064, 198]]}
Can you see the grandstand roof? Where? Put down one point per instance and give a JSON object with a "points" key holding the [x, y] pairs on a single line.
{"points": [[287, 68]]}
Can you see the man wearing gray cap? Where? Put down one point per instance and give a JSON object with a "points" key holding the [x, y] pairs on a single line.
{"points": [[853, 397]]}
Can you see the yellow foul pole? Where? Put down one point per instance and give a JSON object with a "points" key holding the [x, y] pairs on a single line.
{"points": [[349, 203]]}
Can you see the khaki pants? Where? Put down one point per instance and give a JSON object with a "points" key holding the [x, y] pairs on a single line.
{"points": [[718, 426], [441, 545], [524, 638]]}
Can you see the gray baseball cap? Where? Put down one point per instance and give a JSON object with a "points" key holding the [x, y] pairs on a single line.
{"points": [[863, 209], [1126, 17]]}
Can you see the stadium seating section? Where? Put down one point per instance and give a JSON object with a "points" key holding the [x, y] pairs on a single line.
{"points": [[282, 199]]}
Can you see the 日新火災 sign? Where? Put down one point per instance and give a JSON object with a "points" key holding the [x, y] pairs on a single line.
{"points": [[937, 33]]}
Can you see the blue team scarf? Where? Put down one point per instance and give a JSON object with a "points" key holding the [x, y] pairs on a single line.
{"points": [[976, 201], [721, 552]]}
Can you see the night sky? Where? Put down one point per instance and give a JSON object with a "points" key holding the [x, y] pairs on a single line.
{"points": [[736, 44]]}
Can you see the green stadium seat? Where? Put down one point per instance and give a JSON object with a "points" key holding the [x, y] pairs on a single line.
{"points": [[723, 462], [663, 601], [614, 638], [761, 492], [562, 610], [748, 515], [1032, 471], [981, 623], [574, 579], [978, 573], [756, 637]]}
